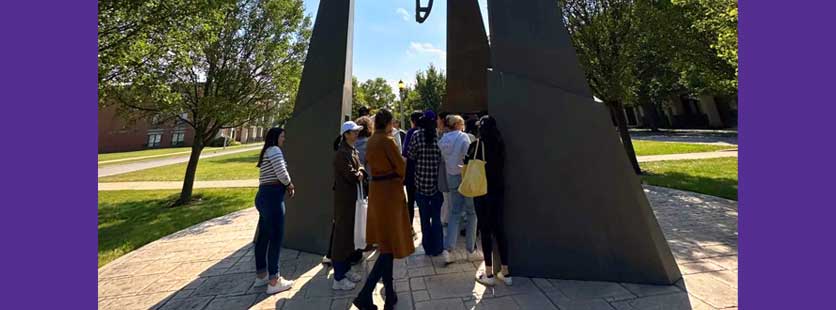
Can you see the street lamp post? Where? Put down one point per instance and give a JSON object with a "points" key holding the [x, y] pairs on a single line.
{"points": [[402, 91]]}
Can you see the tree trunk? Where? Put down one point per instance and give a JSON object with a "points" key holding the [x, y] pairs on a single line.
{"points": [[616, 108], [191, 168]]}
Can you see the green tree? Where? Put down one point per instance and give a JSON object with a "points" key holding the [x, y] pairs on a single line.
{"points": [[238, 62], [132, 33], [604, 34], [429, 90], [358, 97], [716, 22], [378, 94], [657, 51]]}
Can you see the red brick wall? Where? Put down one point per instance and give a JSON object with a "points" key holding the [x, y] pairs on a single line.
{"points": [[118, 135]]}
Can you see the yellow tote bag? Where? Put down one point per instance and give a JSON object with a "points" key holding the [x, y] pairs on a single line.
{"points": [[474, 180]]}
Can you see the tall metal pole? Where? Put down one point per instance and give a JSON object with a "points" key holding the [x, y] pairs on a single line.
{"points": [[400, 109], [401, 91]]}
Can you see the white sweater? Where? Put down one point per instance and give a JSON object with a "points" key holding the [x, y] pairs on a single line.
{"points": [[273, 167]]}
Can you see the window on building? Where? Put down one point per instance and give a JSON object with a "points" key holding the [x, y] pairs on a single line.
{"points": [[178, 138], [154, 139]]}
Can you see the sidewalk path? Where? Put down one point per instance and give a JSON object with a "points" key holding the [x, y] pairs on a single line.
{"points": [[118, 186], [205, 151], [211, 266], [704, 155], [716, 137], [135, 166]]}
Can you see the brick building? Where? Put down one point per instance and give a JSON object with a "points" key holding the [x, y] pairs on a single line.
{"points": [[244, 134], [119, 135], [691, 112]]}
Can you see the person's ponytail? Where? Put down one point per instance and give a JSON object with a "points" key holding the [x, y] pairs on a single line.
{"points": [[337, 142]]}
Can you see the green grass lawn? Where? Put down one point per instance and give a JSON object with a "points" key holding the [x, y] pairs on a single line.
{"points": [[131, 219], [644, 148], [126, 157], [716, 177], [239, 166], [151, 152]]}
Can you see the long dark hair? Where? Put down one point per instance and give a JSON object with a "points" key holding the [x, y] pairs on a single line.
{"points": [[470, 126], [429, 127], [489, 133], [415, 117], [337, 142], [272, 139]]}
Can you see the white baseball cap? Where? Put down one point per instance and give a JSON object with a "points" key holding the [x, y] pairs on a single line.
{"points": [[350, 126]]}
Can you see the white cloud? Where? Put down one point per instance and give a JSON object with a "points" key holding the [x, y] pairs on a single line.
{"points": [[427, 48], [403, 13]]}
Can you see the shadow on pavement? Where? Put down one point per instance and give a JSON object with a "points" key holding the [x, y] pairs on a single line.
{"points": [[230, 283]]}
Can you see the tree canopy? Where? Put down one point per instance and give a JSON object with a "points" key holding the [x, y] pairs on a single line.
{"points": [[378, 94], [236, 62], [711, 64], [429, 90]]}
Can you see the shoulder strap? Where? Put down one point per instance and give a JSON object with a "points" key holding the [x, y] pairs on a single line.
{"points": [[483, 150], [476, 150]]}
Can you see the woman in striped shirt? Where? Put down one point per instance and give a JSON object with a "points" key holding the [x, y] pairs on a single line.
{"points": [[274, 181]]}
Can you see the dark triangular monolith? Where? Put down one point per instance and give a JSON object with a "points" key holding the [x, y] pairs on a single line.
{"points": [[574, 209], [322, 104], [468, 56]]}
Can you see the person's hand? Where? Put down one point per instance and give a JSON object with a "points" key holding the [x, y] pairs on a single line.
{"points": [[291, 190], [360, 176]]}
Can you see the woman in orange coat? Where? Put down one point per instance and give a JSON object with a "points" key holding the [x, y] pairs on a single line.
{"points": [[387, 224]]}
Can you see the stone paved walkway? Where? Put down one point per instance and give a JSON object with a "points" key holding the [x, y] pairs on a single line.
{"points": [[115, 169], [210, 266]]}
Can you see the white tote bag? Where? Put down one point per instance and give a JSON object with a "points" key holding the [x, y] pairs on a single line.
{"points": [[361, 206]]}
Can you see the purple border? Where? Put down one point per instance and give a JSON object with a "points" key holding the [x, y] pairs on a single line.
{"points": [[48, 84], [48, 74], [787, 185]]}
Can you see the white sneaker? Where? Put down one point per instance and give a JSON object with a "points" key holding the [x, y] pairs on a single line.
{"points": [[281, 286], [326, 261], [262, 281], [483, 278], [353, 276], [476, 256], [343, 285], [508, 280], [447, 258]]}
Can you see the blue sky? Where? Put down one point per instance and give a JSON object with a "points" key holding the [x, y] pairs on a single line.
{"points": [[389, 43]]}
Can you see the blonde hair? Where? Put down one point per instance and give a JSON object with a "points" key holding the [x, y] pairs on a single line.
{"points": [[454, 122]]}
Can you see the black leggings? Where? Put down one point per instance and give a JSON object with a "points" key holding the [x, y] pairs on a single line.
{"points": [[489, 215], [382, 270], [410, 202]]}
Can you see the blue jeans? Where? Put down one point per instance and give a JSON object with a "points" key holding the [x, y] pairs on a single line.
{"points": [[269, 201], [429, 209], [460, 206]]}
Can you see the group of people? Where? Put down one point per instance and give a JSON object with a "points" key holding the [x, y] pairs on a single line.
{"points": [[395, 171]]}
